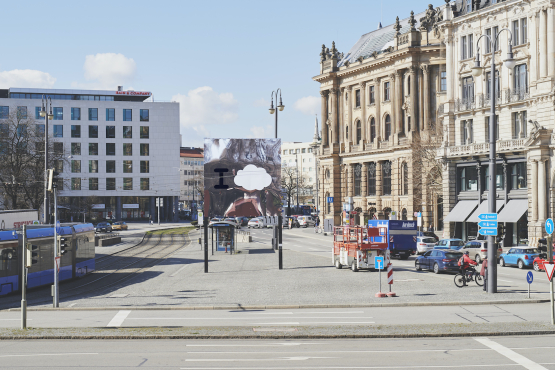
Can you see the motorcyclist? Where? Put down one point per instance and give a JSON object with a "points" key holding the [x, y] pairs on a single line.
{"points": [[464, 263]]}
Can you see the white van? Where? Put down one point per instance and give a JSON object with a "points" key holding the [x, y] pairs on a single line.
{"points": [[304, 220]]}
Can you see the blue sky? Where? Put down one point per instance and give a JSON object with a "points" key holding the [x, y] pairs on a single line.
{"points": [[219, 59]]}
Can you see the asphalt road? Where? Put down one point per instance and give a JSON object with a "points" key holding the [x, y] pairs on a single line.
{"points": [[519, 352]]}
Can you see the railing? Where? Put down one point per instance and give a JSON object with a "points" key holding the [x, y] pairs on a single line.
{"points": [[403, 39], [383, 144], [480, 148], [484, 100], [369, 145], [515, 95], [465, 104]]}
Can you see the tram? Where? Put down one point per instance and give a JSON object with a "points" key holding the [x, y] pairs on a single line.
{"points": [[78, 260]]}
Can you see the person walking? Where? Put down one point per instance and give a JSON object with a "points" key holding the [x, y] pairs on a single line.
{"points": [[484, 273]]}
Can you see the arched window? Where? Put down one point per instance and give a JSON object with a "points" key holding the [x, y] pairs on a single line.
{"points": [[372, 129], [405, 178], [404, 214], [387, 127], [386, 213], [358, 178], [371, 179], [386, 178], [359, 132], [371, 213]]}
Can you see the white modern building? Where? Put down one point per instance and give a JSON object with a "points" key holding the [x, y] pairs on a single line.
{"points": [[192, 174], [300, 156], [122, 151]]}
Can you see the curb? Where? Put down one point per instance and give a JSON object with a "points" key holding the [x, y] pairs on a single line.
{"points": [[277, 307]]}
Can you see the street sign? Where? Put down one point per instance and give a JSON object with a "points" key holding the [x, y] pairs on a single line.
{"points": [[488, 232], [419, 214], [378, 263], [549, 226], [490, 224], [330, 199], [159, 202], [549, 268], [488, 216], [529, 277], [58, 227]]}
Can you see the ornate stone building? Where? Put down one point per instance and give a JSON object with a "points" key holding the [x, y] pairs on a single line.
{"points": [[378, 100], [524, 117]]}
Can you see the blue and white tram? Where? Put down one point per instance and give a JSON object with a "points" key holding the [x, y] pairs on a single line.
{"points": [[77, 261]]}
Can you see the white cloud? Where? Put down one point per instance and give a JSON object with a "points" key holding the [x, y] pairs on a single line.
{"points": [[203, 106], [26, 78], [262, 103], [259, 132], [108, 71], [308, 105], [252, 178]]}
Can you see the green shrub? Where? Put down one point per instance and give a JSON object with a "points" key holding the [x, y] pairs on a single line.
{"points": [[194, 223]]}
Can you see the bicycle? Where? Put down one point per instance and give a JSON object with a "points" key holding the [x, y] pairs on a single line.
{"points": [[470, 275]]}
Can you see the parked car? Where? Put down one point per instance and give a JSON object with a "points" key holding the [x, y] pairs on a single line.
{"points": [[257, 222], [294, 222], [427, 233], [424, 244], [454, 244], [478, 250], [243, 221], [214, 220], [119, 225], [305, 221], [438, 260], [521, 257], [234, 221], [103, 227]]}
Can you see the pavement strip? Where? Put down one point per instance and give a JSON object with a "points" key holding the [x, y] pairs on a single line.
{"points": [[510, 354], [118, 319]]}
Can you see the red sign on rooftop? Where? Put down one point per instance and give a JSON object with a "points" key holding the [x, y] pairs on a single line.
{"points": [[133, 93]]}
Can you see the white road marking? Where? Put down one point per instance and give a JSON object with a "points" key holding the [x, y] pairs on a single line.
{"points": [[73, 304], [232, 318], [507, 281], [13, 319], [510, 354], [118, 319], [249, 345], [49, 354], [178, 271], [297, 358]]}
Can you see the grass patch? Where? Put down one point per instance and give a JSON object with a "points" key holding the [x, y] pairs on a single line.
{"points": [[177, 230]]}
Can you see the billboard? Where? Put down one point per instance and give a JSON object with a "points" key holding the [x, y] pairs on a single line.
{"points": [[242, 177]]}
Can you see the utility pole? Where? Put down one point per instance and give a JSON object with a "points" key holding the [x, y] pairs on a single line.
{"points": [[24, 279]]}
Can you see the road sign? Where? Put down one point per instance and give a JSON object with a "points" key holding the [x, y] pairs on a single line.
{"points": [[419, 214], [378, 263], [549, 226], [159, 202], [330, 199], [58, 227], [488, 232], [488, 216], [490, 224], [549, 268], [529, 277]]}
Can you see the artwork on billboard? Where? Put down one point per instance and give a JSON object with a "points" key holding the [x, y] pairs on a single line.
{"points": [[242, 177]]}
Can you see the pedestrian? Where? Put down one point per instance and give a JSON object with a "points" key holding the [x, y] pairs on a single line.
{"points": [[150, 219], [431, 228], [484, 273]]}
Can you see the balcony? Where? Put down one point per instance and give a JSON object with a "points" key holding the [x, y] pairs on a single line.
{"points": [[506, 96], [483, 148], [465, 104]]}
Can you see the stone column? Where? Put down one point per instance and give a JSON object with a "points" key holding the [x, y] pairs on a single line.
{"points": [[542, 201], [449, 42], [378, 91], [420, 95], [341, 119], [334, 119], [399, 102], [393, 99], [324, 117], [348, 138], [413, 94], [550, 42], [534, 190], [543, 43], [363, 114], [364, 187], [426, 93]]}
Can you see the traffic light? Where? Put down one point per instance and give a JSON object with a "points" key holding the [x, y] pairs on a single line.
{"points": [[31, 255], [63, 245], [52, 179]]}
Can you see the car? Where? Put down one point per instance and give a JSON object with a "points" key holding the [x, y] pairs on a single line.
{"points": [[519, 256], [439, 260], [119, 225], [427, 233], [478, 250], [243, 221], [305, 221], [232, 220], [454, 244], [103, 226], [424, 244], [294, 222], [540, 261], [214, 220], [256, 222]]}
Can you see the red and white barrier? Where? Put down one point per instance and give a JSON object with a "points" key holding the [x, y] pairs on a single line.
{"points": [[390, 279]]}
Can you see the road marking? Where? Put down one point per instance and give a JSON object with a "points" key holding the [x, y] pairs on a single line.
{"points": [[118, 319], [178, 271], [230, 318], [507, 281], [73, 304], [13, 319], [296, 358], [349, 367], [510, 354], [49, 354], [249, 345]]}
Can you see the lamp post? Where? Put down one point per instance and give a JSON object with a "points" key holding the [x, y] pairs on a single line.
{"points": [[46, 102], [477, 71], [280, 107], [297, 167]]}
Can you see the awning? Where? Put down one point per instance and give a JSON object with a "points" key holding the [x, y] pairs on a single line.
{"points": [[513, 211], [483, 208], [461, 211]]}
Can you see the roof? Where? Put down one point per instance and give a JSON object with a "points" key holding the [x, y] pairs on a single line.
{"points": [[191, 152]]}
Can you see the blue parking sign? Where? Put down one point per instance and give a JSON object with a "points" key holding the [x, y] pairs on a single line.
{"points": [[529, 277], [378, 263]]}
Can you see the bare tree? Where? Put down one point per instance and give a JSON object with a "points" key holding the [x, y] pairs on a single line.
{"points": [[428, 167], [22, 159], [291, 187]]}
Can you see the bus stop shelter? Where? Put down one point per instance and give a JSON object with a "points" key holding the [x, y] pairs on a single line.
{"points": [[223, 235]]}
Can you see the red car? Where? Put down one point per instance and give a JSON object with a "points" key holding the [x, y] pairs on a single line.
{"points": [[538, 263]]}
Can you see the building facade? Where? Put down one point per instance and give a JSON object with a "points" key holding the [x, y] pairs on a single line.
{"points": [[299, 157], [192, 175], [121, 150], [524, 119], [379, 100]]}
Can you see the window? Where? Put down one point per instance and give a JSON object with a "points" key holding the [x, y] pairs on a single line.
{"points": [[443, 81], [523, 31], [499, 179], [386, 178], [75, 166], [357, 98], [93, 166], [110, 183], [487, 43], [75, 148], [144, 150], [127, 183], [93, 183], [519, 124], [328, 204], [408, 85], [387, 127], [75, 114], [110, 166], [144, 115], [346, 133], [284, 152], [467, 134], [58, 114], [21, 112], [310, 151], [59, 166], [468, 178], [520, 35], [37, 112], [470, 46], [127, 166], [110, 148], [93, 114], [496, 128], [145, 184], [145, 167], [75, 130], [359, 132], [290, 151], [127, 115], [303, 150], [93, 148], [110, 114], [127, 132], [372, 95], [58, 148], [516, 33], [405, 178], [464, 46], [386, 91], [75, 183], [468, 89], [110, 132], [358, 179], [127, 149], [520, 83], [468, 6], [518, 175]]}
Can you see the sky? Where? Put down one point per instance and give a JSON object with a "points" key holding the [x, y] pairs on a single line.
{"points": [[220, 60]]}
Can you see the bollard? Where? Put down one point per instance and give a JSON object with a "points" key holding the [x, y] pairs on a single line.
{"points": [[390, 279]]}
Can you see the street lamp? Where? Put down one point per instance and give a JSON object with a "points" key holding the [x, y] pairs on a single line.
{"points": [[297, 166], [280, 107], [46, 102], [477, 71]]}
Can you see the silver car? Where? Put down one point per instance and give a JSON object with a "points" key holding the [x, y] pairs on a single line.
{"points": [[424, 244]]}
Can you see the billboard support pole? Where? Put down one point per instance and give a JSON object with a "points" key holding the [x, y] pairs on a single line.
{"points": [[279, 243], [205, 223]]}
